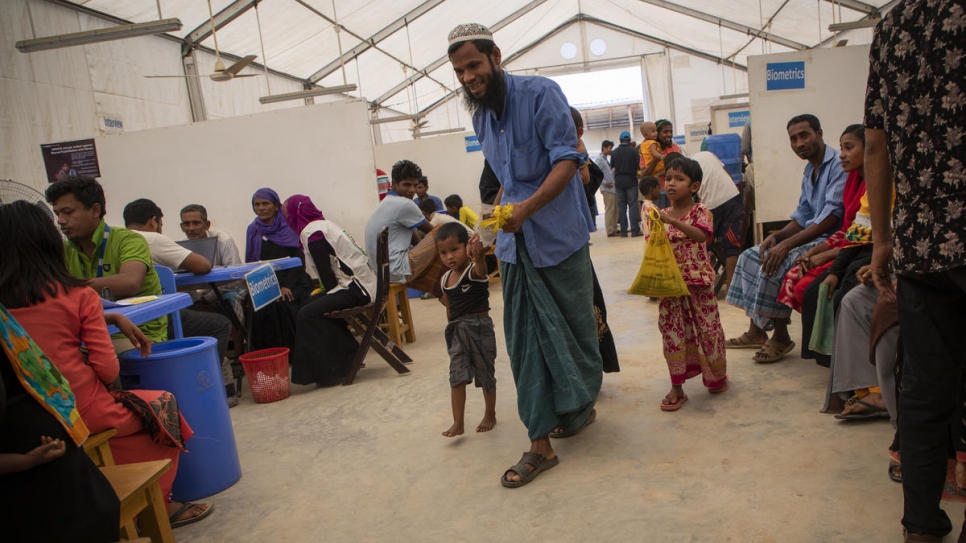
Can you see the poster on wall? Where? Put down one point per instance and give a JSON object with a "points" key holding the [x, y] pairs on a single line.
{"points": [[472, 144], [70, 158]]}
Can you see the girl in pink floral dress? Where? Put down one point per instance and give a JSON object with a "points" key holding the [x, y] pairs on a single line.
{"points": [[694, 342]]}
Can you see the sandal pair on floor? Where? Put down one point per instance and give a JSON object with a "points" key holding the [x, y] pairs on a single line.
{"points": [[768, 352]]}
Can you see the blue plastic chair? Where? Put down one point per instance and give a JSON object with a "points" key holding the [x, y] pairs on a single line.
{"points": [[166, 276]]}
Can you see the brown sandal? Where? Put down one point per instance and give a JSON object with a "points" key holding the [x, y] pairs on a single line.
{"points": [[742, 342]]}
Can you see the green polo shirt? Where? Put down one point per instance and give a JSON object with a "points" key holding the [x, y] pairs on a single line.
{"points": [[123, 245]]}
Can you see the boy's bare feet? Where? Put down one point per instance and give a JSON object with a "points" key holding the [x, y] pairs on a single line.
{"points": [[454, 430], [487, 424]]}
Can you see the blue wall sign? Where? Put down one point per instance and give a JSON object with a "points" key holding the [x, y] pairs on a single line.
{"points": [[738, 119], [785, 75], [680, 140], [263, 286], [472, 144]]}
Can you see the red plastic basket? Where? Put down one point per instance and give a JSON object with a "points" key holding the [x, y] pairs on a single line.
{"points": [[267, 373]]}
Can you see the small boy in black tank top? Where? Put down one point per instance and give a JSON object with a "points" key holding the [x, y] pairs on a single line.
{"points": [[470, 339]]}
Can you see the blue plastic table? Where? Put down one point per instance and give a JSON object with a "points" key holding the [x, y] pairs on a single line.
{"points": [[221, 274], [148, 311]]}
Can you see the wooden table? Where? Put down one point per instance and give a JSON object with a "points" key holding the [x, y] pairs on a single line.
{"points": [[137, 486]]}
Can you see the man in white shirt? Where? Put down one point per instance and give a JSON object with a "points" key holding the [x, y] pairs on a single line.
{"points": [[195, 225], [144, 217], [719, 194]]}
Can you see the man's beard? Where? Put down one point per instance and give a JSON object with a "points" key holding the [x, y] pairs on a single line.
{"points": [[492, 99]]}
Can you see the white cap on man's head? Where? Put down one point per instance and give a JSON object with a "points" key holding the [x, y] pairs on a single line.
{"points": [[469, 32]]}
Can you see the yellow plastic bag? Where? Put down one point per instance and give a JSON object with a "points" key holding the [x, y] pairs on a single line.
{"points": [[659, 276]]}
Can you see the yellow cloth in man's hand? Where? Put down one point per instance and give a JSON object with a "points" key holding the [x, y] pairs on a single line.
{"points": [[498, 219]]}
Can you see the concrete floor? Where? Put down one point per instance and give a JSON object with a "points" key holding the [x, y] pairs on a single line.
{"points": [[758, 463]]}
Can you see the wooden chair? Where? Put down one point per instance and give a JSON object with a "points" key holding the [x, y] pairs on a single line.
{"points": [[98, 449], [364, 320], [139, 491]]}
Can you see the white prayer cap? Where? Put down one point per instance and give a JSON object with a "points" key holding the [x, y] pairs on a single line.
{"points": [[469, 32]]}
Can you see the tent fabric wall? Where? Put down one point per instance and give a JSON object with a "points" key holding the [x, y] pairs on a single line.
{"points": [[63, 94]]}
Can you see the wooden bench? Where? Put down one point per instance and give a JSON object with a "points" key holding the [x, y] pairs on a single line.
{"points": [[139, 491], [98, 449]]}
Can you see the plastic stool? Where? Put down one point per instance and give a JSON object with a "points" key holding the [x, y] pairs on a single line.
{"points": [[398, 304]]}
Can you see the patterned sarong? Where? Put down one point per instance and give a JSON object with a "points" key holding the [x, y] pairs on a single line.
{"points": [[756, 292], [551, 337], [694, 342]]}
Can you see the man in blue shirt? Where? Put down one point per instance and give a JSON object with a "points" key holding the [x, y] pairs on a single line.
{"points": [[529, 139], [761, 270], [422, 193]]}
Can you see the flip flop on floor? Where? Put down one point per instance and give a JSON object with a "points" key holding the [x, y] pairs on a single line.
{"points": [[723, 387], [773, 351], [570, 433], [743, 342], [873, 412], [673, 406], [209, 507], [538, 461]]}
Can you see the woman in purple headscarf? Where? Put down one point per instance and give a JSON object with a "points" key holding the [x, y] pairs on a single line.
{"points": [[324, 347], [269, 237]]}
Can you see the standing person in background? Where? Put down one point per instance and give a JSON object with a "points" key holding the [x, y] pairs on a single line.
{"points": [[625, 160], [548, 320], [665, 138], [608, 189], [914, 118]]}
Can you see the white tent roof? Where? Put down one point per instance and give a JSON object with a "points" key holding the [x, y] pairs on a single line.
{"points": [[395, 50]]}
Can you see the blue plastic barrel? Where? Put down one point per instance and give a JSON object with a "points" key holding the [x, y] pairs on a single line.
{"points": [[189, 368], [727, 147]]}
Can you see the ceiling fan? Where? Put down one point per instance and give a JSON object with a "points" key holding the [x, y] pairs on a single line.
{"points": [[220, 73], [416, 125]]}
